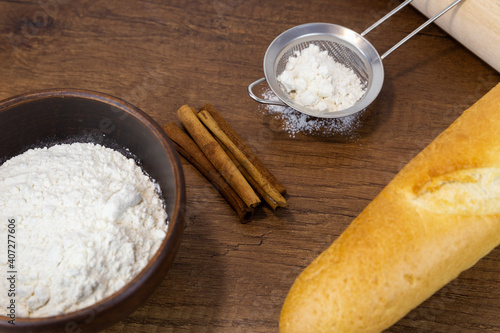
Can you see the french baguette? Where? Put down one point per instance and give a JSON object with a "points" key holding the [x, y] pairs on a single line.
{"points": [[436, 218]]}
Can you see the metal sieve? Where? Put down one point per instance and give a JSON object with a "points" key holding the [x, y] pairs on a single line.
{"points": [[344, 46]]}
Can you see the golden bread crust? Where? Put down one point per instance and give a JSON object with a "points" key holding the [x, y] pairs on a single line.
{"points": [[422, 230]]}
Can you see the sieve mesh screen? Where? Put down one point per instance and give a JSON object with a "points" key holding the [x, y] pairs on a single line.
{"points": [[339, 52]]}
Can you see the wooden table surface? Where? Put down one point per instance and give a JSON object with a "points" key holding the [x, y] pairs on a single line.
{"points": [[159, 55]]}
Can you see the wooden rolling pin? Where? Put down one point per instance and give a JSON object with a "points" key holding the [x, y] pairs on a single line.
{"points": [[474, 23]]}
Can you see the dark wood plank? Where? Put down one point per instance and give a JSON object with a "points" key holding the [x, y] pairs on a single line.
{"points": [[159, 55]]}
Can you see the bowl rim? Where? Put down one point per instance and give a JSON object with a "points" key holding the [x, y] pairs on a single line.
{"points": [[168, 248]]}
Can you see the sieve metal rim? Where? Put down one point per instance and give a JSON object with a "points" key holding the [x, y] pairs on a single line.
{"points": [[330, 32]]}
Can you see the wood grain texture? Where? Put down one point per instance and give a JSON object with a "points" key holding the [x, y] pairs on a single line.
{"points": [[159, 55]]}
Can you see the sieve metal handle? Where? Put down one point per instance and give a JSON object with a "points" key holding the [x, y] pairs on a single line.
{"points": [[258, 99], [404, 40], [386, 16]]}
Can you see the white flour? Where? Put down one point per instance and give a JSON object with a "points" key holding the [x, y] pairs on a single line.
{"points": [[315, 80], [294, 122], [87, 221]]}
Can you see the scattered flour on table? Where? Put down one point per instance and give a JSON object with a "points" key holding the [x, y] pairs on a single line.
{"points": [[88, 220], [294, 122], [313, 79]]}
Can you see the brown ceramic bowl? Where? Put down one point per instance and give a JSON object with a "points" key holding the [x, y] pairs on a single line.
{"points": [[61, 115]]}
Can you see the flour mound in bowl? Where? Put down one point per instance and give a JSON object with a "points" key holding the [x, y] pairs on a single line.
{"points": [[86, 221]]}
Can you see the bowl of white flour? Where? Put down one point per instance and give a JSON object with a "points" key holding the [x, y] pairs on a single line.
{"points": [[91, 207]]}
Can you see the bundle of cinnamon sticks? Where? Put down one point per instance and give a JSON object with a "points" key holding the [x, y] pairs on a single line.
{"points": [[219, 153]]}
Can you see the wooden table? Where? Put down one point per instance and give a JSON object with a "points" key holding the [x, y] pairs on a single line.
{"points": [[159, 55]]}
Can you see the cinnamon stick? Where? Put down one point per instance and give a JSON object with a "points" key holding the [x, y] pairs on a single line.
{"points": [[216, 155], [191, 152], [249, 178], [238, 141], [268, 188]]}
